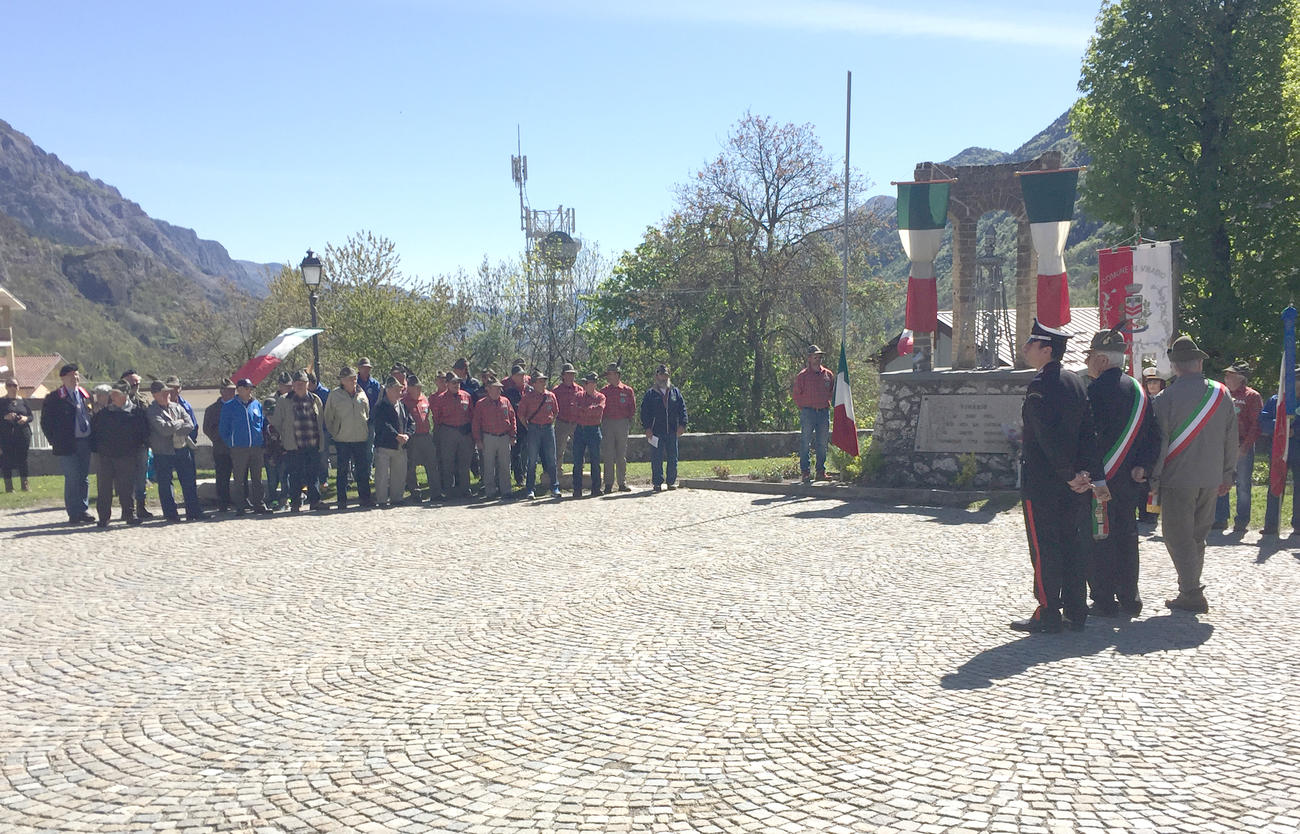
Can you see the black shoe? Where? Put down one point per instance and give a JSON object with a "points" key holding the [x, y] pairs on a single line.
{"points": [[672, 487], [102, 523], [659, 487], [134, 521], [1195, 603], [1219, 525], [142, 512], [84, 518], [1130, 608], [197, 516], [172, 517], [1268, 531], [1073, 625], [1238, 528], [1034, 625], [1104, 609]]}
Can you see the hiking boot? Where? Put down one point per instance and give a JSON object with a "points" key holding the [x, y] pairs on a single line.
{"points": [[1195, 602]]}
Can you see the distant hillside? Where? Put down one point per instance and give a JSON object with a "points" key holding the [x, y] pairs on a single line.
{"points": [[53, 202], [1086, 235]]}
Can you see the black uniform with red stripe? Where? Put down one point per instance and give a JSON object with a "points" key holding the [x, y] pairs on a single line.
{"points": [[1114, 575], [1059, 441]]}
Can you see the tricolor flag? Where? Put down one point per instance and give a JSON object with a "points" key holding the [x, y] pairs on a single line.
{"points": [[844, 431], [271, 354], [922, 216], [1286, 406], [1049, 205]]}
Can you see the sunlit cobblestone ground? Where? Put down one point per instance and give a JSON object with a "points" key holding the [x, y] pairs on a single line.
{"points": [[689, 661]]}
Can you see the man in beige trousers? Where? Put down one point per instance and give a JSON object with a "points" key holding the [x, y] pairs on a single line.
{"points": [[1198, 461]]}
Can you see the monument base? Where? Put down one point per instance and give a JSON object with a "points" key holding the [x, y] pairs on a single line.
{"points": [[950, 429]]}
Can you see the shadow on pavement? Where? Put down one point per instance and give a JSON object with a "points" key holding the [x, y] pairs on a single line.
{"points": [[1271, 545], [1167, 632], [938, 515]]}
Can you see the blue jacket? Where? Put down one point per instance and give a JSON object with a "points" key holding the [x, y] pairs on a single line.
{"points": [[240, 426], [663, 415], [189, 409], [374, 392]]}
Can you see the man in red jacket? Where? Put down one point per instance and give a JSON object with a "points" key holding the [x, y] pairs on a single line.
{"points": [[565, 393], [452, 412], [589, 410], [620, 405], [812, 390], [494, 433]]}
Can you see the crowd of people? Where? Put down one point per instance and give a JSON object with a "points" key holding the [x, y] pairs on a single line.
{"points": [[1098, 452], [500, 429]]}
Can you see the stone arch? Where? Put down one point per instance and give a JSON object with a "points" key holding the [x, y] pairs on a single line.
{"points": [[980, 189]]}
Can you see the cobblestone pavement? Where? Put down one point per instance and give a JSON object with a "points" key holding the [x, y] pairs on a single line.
{"points": [[674, 662]]}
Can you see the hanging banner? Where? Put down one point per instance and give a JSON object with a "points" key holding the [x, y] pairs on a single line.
{"points": [[1150, 303], [1049, 206], [922, 216], [1114, 274]]}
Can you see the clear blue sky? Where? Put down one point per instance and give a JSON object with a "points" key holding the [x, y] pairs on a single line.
{"points": [[272, 126]]}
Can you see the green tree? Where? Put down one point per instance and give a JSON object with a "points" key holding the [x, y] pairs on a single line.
{"points": [[1191, 112]]}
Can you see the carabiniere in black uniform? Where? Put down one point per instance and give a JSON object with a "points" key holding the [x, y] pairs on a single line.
{"points": [[1059, 442]]}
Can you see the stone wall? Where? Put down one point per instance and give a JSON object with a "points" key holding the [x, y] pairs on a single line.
{"points": [[896, 429]]}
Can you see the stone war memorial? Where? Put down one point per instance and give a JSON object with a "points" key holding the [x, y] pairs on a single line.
{"points": [[932, 421]]}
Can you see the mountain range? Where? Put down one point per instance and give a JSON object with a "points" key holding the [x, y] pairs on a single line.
{"points": [[109, 286]]}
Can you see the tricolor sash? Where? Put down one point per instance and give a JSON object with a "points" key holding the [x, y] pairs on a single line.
{"points": [[1137, 416], [1215, 393]]}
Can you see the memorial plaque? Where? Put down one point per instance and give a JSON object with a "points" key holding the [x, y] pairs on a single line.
{"points": [[967, 423]]}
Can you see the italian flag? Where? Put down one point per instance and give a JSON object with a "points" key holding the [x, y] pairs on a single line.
{"points": [[922, 216], [1049, 205], [273, 352], [1286, 404], [844, 431]]}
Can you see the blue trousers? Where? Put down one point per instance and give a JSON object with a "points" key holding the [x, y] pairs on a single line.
{"points": [[814, 426], [1273, 505], [182, 463], [665, 451], [586, 443], [539, 446], [76, 479], [353, 460], [1245, 465]]}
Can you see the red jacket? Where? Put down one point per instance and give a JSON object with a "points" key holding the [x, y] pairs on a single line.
{"points": [[620, 402], [420, 412], [537, 407], [589, 409], [812, 389], [565, 394], [451, 411], [493, 417]]}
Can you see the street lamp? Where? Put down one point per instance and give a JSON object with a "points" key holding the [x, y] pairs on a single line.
{"points": [[311, 272]]}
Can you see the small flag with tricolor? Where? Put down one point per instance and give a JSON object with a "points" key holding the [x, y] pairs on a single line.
{"points": [[273, 352], [1286, 406], [844, 431]]}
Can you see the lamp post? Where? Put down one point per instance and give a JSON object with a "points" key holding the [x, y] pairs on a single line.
{"points": [[311, 271]]}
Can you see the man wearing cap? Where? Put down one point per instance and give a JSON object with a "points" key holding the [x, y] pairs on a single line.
{"points": [[420, 449], [347, 418], [392, 429], [588, 412], [1247, 403], [220, 451], [173, 384], [537, 409], [65, 421], [1198, 461], [513, 390], [299, 420], [1129, 441], [170, 427], [452, 415], [283, 384], [140, 401], [241, 429], [663, 417], [1273, 503], [1061, 466], [116, 434], [620, 407], [566, 392], [494, 429], [811, 390]]}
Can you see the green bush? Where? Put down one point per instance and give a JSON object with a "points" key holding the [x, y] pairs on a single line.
{"points": [[965, 477]]}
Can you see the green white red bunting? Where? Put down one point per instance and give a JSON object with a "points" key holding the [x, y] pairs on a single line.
{"points": [[1049, 206], [922, 216]]}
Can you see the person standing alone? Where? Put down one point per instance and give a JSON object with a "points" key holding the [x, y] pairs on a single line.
{"points": [[812, 391]]}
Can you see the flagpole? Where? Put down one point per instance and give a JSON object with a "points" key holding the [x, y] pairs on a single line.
{"points": [[844, 290]]}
